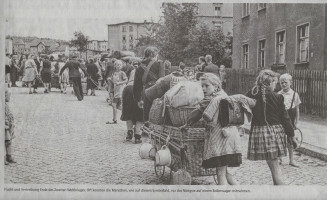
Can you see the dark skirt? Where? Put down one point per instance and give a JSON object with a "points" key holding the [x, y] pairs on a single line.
{"points": [[92, 84], [7, 71], [230, 160], [13, 74], [130, 108], [46, 76]]}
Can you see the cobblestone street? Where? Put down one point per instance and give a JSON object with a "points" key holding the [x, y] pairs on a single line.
{"points": [[60, 140]]}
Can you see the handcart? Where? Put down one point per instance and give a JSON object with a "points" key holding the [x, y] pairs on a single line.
{"points": [[186, 147]]}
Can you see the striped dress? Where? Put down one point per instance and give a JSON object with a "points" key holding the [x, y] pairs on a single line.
{"points": [[220, 149]]}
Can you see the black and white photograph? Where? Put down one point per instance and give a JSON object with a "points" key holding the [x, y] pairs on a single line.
{"points": [[208, 96]]}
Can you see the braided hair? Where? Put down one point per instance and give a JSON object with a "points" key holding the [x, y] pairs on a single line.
{"points": [[264, 79]]}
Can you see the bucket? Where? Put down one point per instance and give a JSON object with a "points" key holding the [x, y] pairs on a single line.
{"points": [[163, 156], [147, 151]]}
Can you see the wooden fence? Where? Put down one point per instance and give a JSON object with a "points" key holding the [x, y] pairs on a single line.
{"points": [[311, 86]]}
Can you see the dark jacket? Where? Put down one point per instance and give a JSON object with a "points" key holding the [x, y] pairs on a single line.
{"points": [[109, 70], [92, 70], [157, 69], [275, 111], [73, 67]]}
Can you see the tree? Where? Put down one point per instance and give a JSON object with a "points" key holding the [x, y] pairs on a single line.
{"points": [[205, 40], [80, 41], [179, 19]]}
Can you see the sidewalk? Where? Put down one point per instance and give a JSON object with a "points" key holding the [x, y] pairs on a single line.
{"points": [[314, 136]]}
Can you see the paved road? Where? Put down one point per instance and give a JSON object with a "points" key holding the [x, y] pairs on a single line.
{"points": [[62, 140]]}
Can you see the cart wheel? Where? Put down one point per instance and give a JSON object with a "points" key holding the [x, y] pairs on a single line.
{"points": [[215, 176], [159, 170]]}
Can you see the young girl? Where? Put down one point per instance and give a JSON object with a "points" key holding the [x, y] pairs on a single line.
{"points": [[9, 129], [270, 122], [219, 151], [292, 102], [119, 79]]}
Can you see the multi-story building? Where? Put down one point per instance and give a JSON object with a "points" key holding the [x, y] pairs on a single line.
{"points": [[9, 45], [97, 45], [37, 47], [18, 46], [216, 14], [124, 36], [280, 36]]}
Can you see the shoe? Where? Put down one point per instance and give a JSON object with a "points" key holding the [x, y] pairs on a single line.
{"points": [[35, 91], [13, 85], [113, 122], [45, 91], [9, 159], [129, 135], [62, 91]]}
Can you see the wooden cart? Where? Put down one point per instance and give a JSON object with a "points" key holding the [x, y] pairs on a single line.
{"points": [[186, 147]]}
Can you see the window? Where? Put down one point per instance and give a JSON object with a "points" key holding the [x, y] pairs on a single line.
{"points": [[280, 47], [261, 6], [245, 59], [217, 11], [245, 9], [124, 39], [131, 37], [261, 53], [124, 28], [303, 43], [130, 28], [131, 46]]}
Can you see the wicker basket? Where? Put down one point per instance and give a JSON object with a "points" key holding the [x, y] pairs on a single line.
{"points": [[178, 116], [156, 111], [191, 140]]}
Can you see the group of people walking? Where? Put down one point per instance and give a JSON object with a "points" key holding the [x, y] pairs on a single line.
{"points": [[274, 115]]}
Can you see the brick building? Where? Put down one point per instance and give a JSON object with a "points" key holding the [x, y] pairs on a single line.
{"points": [[282, 36], [124, 36], [216, 14]]}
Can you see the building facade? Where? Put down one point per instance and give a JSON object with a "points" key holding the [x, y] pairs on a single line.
{"points": [[124, 36], [9, 45], [280, 36], [216, 14], [97, 45], [18, 46]]}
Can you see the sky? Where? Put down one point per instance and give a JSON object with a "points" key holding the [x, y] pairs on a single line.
{"points": [[58, 19]]}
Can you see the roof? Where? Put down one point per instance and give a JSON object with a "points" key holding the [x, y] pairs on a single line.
{"points": [[129, 22], [18, 41]]}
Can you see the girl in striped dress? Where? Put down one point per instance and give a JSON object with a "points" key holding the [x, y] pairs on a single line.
{"points": [[270, 124], [220, 150]]}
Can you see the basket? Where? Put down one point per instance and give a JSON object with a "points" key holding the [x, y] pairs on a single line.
{"points": [[156, 111], [190, 141], [178, 116]]}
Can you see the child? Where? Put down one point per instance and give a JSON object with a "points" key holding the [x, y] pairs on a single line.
{"points": [[119, 79], [292, 102], [270, 124], [9, 129], [219, 152]]}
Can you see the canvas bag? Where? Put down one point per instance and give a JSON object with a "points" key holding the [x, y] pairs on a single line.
{"points": [[184, 93]]}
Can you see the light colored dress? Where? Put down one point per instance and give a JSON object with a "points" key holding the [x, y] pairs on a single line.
{"points": [[64, 78], [220, 149], [30, 71]]}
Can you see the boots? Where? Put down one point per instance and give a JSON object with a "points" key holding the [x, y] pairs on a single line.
{"points": [[129, 135], [137, 138], [9, 159]]}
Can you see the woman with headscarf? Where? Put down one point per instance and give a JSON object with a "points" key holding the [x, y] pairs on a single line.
{"points": [[30, 72], [146, 76], [92, 80], [46, 74]]}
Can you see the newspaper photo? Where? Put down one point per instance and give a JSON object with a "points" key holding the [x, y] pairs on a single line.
{"points": [[146, 99]]}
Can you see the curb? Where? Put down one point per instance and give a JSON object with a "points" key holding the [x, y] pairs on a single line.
{"points": [[313, 151]]}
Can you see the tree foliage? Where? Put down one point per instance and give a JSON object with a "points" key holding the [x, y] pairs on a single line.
{"points": [[80, 41]]}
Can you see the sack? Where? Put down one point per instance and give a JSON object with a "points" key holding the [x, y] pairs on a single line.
{"points": [[230, 113], [182, 177], [176, 79], [157, 111], [184, 93]]}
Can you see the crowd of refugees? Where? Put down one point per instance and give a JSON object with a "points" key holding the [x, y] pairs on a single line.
{"points": [[131, 85]]}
